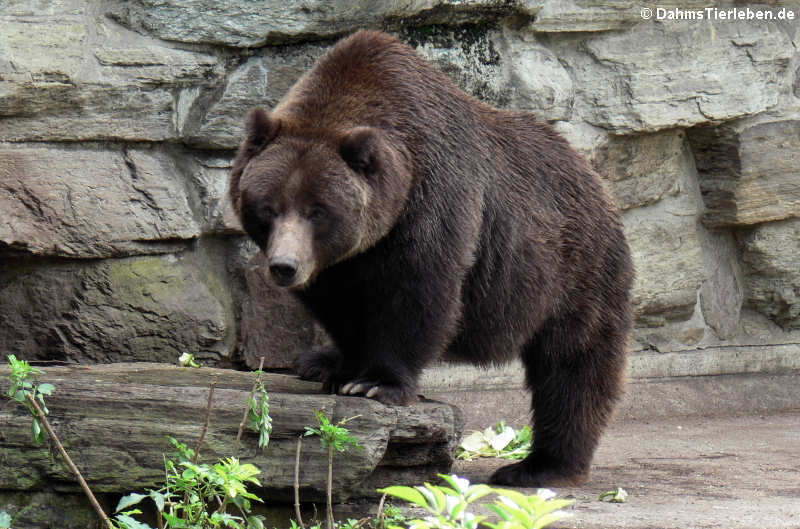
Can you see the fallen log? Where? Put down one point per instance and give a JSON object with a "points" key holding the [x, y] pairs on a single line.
{"points": [[114, 420]]}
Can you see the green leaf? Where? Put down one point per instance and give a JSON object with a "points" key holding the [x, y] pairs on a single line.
{"points": [[514, 496], [549, 518], [158, 498], [258, 415], [461, 485], [255, 522], [501, 511], [520, 516], [429, 497], [184, 452], [46, 389], [243, 503], [227, 519], [174, 521], [19, 396], [131, 499], [475, 521], [553, 505], [38, 433], [408, 494], [249, 495], [476, 492], [441, 501], [127, 522], [5, 520], [456, 511]]}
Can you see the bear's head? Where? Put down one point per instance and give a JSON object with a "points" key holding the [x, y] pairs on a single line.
{"points": [[310, 198]]}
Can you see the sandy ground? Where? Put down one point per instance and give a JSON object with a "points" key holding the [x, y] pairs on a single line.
{"points": [[731, 472]]}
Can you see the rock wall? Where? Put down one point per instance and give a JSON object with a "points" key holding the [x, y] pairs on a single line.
{"points": [[119, 120]]}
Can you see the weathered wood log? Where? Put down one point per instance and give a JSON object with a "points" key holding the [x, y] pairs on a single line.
{"points": [[114, 421]]}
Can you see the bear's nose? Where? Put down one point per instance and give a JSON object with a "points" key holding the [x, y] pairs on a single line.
{"points": [[283, 269]]}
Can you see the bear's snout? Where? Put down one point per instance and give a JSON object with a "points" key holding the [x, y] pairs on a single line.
{"points": [[283, 270], [290, 257]]}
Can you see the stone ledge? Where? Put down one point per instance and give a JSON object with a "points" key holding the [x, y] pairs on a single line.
{"points": [[114, 420], [767, 359], [645, 399]]}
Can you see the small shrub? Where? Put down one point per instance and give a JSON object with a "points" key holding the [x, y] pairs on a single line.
{"points": [[334, 437], [448, 506], [24, 386], [197, 496]]}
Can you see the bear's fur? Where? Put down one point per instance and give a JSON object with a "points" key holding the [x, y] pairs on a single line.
{"points": [[418, 223]]}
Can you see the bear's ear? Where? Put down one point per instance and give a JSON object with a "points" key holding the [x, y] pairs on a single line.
{"points": [[261, 128], [361, 149]]}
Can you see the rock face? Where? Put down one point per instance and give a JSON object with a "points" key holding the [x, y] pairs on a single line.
{"points": [[769, 252], [150, 308], [91, 202], [681, 74], [749, 173], [119, 120], [251, 25]]}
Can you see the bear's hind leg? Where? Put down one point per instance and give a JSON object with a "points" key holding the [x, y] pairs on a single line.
{"points": [[573, 399]]}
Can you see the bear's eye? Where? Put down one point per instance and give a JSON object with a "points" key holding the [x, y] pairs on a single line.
{"points": [[257, 224], [267, 213], [317, 212]]}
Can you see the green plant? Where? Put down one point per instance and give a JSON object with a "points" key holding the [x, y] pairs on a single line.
{"points": [[498, 441], [390, 516], [197, 496], [24, 388], [258, 418], [448, 506], [351, 523], [520, 511], [6, 520], [334, 437], [27, 391]]}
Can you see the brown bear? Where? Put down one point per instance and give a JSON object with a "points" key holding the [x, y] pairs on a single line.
{"points": [[417, 223]]}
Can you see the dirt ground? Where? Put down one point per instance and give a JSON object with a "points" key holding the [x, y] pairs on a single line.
{"points": [[731, 472]]}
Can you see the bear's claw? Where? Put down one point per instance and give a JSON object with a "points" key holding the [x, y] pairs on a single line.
{"points": [[392, 394]]}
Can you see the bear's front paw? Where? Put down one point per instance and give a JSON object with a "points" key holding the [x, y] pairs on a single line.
{"points": [[319, 364], [392, 394]]}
